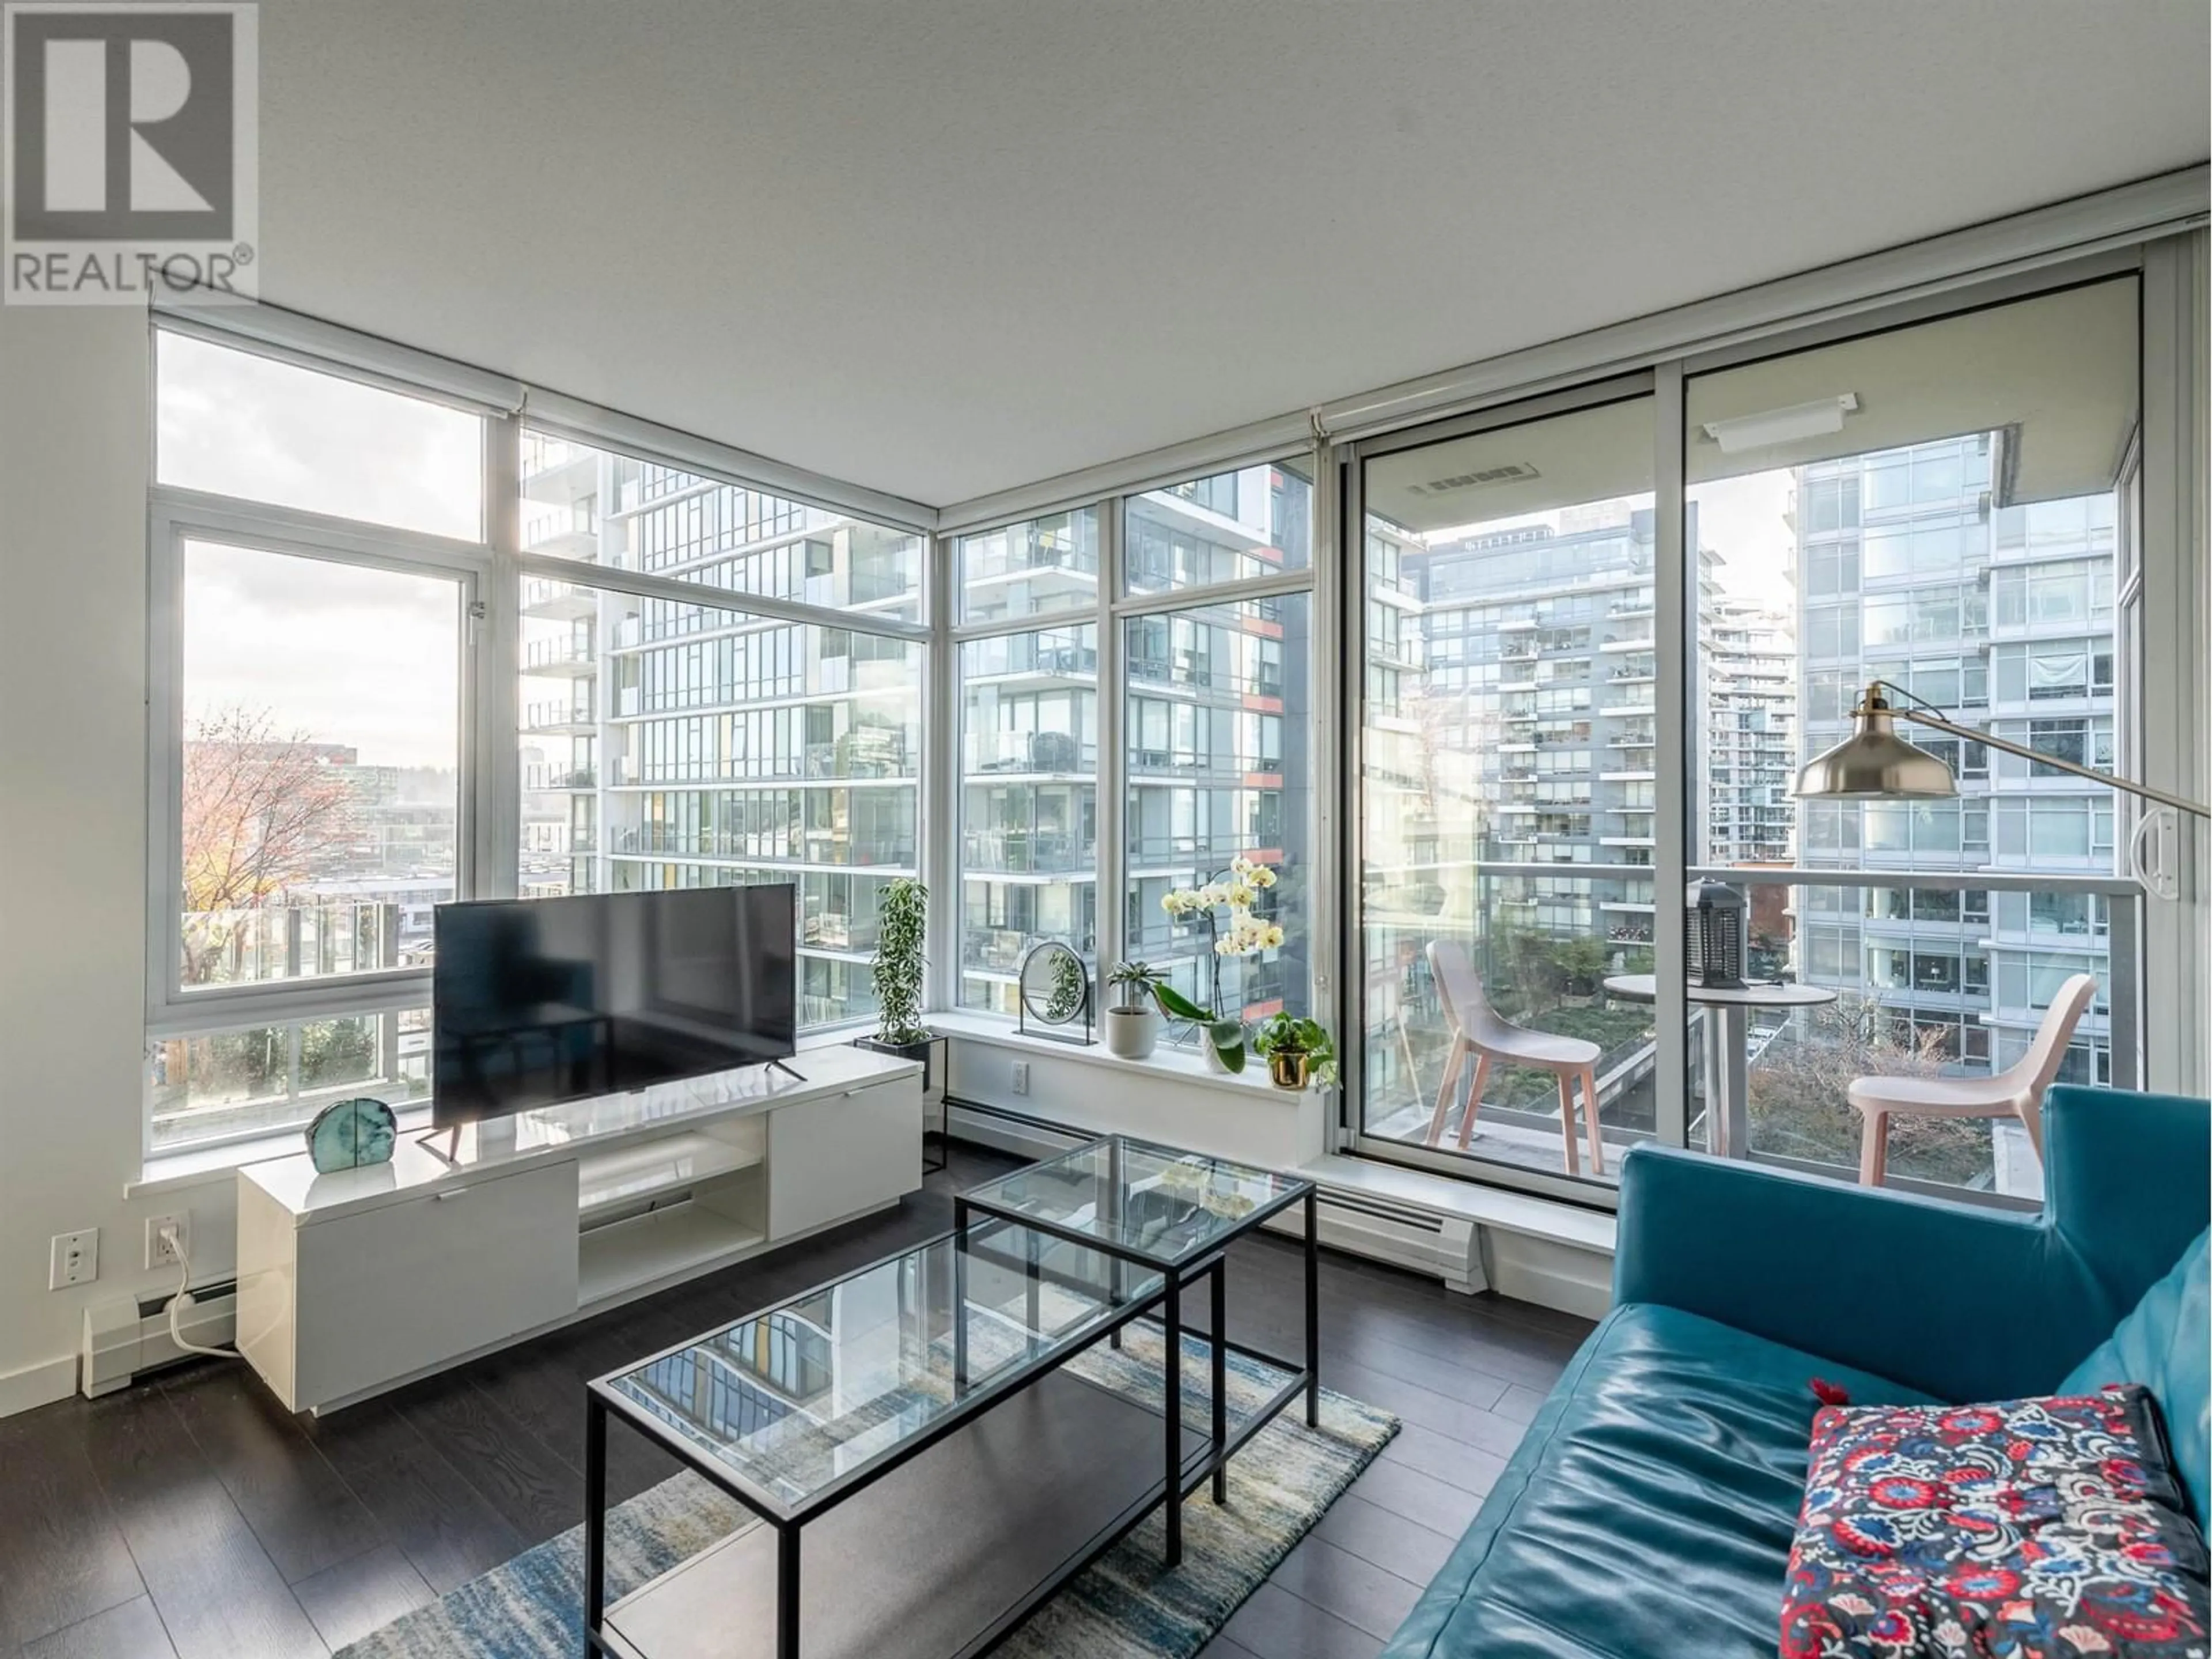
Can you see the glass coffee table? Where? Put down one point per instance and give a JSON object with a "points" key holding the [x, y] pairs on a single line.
{"points": [[1160, 1211], [936, 1382]]}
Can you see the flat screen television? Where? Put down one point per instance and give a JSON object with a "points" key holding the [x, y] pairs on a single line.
{"points": [[536, 1001]]}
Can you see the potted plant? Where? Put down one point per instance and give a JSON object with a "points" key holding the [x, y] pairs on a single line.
{"points": [[1224, 1038], [1298, 1052], [902, 916], [1132, 1028]]}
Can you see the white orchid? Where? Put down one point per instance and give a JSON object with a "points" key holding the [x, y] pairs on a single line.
{"points": [[1243, 934]]}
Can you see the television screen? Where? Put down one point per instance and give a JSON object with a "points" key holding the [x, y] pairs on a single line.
{"points": [[535, 1001]]}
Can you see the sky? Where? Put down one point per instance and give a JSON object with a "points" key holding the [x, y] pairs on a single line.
{"points": [[352, 655]]}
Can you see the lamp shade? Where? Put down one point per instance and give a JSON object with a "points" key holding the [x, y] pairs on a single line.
{"points": [[1875, 764]]}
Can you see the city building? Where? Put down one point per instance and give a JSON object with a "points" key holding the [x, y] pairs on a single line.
{"points": [[666, 744], [1914, 567], [1215, 731]]}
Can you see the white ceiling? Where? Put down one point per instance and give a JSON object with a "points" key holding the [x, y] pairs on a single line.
{"points": [[2057, 372], [942, 247]]}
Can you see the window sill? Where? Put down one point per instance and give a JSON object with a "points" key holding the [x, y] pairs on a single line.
{"points": [[216, 1166], [1182, 1067]]}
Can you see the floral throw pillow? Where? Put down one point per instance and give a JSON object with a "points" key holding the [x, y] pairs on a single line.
{"points": [[2033, 1529]]}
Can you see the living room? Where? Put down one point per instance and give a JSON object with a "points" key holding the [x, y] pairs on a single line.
{"points": [[719, 808]]}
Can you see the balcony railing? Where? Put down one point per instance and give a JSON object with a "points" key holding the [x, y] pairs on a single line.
{"points": [[1017, 852], [1546, 936]]}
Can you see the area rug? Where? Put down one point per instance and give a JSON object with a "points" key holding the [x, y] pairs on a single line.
{"points": [[1124, 1606]]}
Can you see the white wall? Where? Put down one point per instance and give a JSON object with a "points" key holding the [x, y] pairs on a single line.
{"points": [[73, 460]]}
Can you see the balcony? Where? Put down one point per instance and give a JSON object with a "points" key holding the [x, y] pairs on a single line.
{"points": [[556, 600], [1050, 754], [1027, 853], [543, 779], [1546, 936], [553, 658], [558, 720]]}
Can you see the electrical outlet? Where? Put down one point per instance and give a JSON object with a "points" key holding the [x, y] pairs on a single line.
{"points": [[1021, 1077], [75, 1258], [158, 1253]]}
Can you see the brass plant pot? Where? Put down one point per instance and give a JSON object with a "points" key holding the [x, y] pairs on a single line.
{"points": [[1288, 1068]]}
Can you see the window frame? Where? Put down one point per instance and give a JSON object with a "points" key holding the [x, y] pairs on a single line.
{"points": [[1114, 610], [488, 574]]}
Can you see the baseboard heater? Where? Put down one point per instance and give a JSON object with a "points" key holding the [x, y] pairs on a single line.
{"points": [[126, 1339], [1425, 1241]]}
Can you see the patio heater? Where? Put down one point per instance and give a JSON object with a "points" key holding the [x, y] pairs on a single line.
{"points": [[1714, 918]]}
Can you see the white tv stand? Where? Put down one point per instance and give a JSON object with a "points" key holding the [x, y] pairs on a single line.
{"points": [[352, 1283]]}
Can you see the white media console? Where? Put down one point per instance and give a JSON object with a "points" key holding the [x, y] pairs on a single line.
{"points": [[352, 1283]]}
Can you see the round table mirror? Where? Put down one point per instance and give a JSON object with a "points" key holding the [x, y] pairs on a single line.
{"points": [[1054, 984]]}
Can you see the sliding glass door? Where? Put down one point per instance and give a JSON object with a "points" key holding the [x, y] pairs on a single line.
{"points": [[1933, 504]]}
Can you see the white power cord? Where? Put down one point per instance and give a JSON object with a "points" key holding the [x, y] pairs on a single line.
{"points": [[183, 1303]]}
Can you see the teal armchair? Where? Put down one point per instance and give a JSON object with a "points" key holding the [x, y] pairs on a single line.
{"points": [[1649, 1510]]}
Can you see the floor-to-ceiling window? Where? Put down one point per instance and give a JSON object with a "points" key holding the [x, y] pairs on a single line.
{"points": [[693, 682], [1216, 735], [1126, 738], [672, 743], [312, 595], [1933, 506], [1506, 787]]}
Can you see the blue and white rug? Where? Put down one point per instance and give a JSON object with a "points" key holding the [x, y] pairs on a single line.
{"points": [[1124, 1606]]}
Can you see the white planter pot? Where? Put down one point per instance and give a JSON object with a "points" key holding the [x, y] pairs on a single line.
{"points": [[1213, 1061], [1132, 1033]]}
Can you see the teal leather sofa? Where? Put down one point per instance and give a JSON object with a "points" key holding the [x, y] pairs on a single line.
{"points": [[1649, 1510]]}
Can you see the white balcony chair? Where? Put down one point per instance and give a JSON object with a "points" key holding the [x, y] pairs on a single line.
{"points": [[1477, 1030], [2016, 1092]]}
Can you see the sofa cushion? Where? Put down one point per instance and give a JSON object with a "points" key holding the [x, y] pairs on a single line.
{"points": [[2165, 1345], [2028, 1527], [1650, 1507]]}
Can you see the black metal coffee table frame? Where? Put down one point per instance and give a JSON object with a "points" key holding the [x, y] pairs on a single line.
{"points": [[1176, 1275], [602, 1402], [1181, 1473]]}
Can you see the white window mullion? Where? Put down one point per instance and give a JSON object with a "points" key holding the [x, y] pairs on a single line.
{"points": [[492, 775], [1113, 772], [1674, 632]]}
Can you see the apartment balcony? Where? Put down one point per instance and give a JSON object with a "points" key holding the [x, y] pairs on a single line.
{"points": [[562, 536], [557, 601], [1048, 754], [558, 472], [1646, 704], [559, 658], [547, 778], [890, 856], [557, 719], [999, 952], [1638, 641], [1027, 853]]}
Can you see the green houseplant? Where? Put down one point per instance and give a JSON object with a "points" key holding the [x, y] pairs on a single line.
{"points": [[1224, 1038], [1133, 1025], [903, 919], [1298, 1052]]}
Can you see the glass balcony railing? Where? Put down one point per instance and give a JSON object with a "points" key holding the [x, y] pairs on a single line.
{"points": [[1921, 977]]}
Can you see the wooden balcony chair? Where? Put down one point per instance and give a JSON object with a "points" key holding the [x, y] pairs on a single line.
{"points": [[1477, 1030], [2016, 1092]]}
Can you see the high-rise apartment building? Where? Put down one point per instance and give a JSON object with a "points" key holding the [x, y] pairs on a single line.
{"points": [[1912, 569], [1748, 749], [673, 745], [1215, 726]]}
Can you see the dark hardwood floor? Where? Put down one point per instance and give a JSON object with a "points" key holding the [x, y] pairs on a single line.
{"points": [[191, 1518]]}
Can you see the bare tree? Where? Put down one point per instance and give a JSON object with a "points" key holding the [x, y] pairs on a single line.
{"points": [[1798, 1103], [261, 810]]}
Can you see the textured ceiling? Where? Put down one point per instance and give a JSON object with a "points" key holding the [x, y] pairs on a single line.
{"points": [[946, 247]]}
